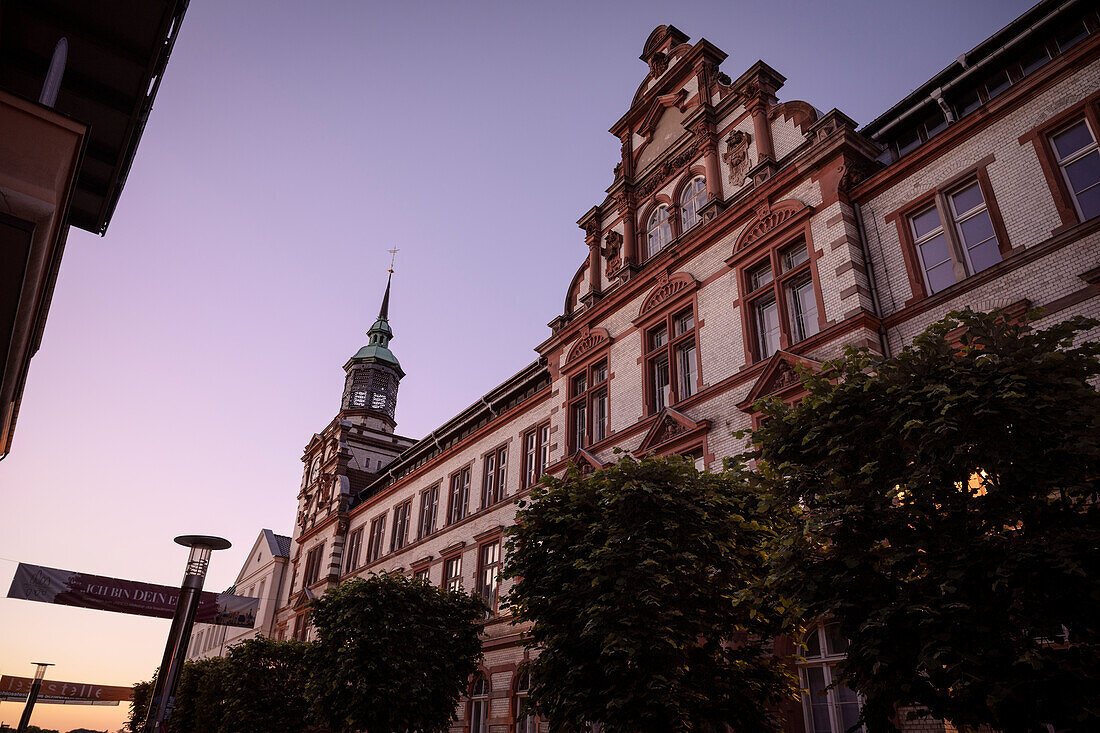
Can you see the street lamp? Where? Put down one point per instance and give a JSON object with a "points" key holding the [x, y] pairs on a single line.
{"points": [[33, 695], [175, 651]]}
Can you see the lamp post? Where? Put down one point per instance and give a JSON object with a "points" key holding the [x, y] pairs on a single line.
{"points": [[175, 651], [35, 687]]}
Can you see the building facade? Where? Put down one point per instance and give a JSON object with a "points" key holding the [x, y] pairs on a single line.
{"points": [[262, 576], [741, 235]]}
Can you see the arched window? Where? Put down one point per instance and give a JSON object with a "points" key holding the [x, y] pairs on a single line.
{"points": [[658, 232], [828, 705], [692, 199], [479, 705], [526, 720]]}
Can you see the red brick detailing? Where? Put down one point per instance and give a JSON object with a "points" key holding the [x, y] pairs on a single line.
{"points": [[768, 219]]}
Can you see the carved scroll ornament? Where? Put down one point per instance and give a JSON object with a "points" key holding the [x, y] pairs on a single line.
{"points": [[667, 287], [768, 218], [589, 339], [737, 155]]}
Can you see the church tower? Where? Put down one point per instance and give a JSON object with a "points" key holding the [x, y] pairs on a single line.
{"points": [[373, 376]]}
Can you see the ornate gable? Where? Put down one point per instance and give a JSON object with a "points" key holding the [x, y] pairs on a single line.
{"points": [[780, 377], [768, 219], [586, 462], [670, 427]]}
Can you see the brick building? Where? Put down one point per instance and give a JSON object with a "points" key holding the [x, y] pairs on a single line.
{"points": [[741, 234]]}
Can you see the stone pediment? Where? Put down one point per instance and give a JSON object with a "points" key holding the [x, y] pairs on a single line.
{"points": [[667, 287], [586, 462], [589, 340], [779, 377], [670, 426], [769, 218]]}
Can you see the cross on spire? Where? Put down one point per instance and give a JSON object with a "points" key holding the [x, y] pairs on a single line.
{"points": [[393, 256]]}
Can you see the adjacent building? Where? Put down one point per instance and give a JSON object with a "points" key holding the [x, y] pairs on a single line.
{"points": [[742, 234], [77, 83]]}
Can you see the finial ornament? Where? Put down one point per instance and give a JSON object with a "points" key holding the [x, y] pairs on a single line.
{"points": [[393, 256]]}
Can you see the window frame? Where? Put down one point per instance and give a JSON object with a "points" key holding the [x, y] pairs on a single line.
{"points": [[653, 224], [495, 567], [1077, 155], [1040, 138], [376, 539], [587, 399], [311, 573], [459, 483], [353, 548], [521, 694], [533, 470], [402, 515], [446, 581], [675, 341], [494, 476], [688, 187], [780, 289], [433, 492], [938, 197], [482, 702], [826, 661]]}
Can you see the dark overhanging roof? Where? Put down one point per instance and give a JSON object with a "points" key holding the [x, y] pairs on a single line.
{"points": [[118, 51]]}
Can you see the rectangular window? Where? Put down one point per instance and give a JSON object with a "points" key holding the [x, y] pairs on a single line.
{"points": [[536, 454], [828, 706], [1071, 36], [1076, 153], [588, 408], [374, 541], [767, 325], [997, 83], [355, 543], [429, 506], [421, 574], [488, 574], [1034, 59], [313, 565], [966, 246], [400, 536], [803, 309], [672, 368], [452, 573], [459, 501], [494, 481]]}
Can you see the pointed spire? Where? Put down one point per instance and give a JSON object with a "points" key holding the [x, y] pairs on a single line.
{"points": [[384, 312]]}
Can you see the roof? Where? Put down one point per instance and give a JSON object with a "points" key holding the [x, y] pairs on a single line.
{"points": [[279, 544], [117, 53]]}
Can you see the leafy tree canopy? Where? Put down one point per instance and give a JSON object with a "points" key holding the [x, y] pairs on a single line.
{"points": [[640, 583], [394, 654], [950, 497]]}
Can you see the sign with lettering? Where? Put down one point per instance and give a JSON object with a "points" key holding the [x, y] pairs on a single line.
{"points": [[16, 689], [69, 588]]}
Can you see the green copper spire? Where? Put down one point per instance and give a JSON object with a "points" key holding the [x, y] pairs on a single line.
{"points": [[378, 337]]}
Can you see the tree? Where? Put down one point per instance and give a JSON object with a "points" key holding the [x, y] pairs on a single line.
{"points": [[259, 686], [393, 654], [641, 585], [950, 497]]}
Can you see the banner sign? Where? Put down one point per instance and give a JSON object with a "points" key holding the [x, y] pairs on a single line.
{"points": [[16, 689], [68, 588]]}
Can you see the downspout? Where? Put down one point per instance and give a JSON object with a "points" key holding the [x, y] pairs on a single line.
{"points": [[882, 340]]}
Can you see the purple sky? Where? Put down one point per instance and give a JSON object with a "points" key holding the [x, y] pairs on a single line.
{"points": [[190, 354]]}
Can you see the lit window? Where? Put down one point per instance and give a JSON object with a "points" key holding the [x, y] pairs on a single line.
{"points": [[536, 454], [1076, 151], [588, 407], [488, 574], [400, 536], [672, 364], [827, 708], [494, 479], [459, 500], [692, 199], [479, 705], [429, 507], [970, 233], [659, 231]]}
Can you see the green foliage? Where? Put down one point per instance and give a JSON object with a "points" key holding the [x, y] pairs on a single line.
{"points": [[394, 654], [642, 582], [950, 521], [259, 686]]}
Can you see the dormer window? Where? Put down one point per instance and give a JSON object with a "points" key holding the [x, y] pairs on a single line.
{"points": [[658, 231], [692, 200]]}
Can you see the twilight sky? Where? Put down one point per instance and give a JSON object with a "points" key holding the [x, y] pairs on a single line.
{"points": [[191, 354]]}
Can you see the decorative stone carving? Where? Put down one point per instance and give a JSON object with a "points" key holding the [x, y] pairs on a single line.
{"points": [[704, 136], [612, 252], [737, 155], [667, 170], [850, 176], [592, 229], [667, 286], [669, 429], [767, 219], [658, 64], [589, 339]]}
